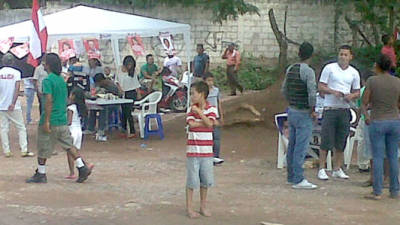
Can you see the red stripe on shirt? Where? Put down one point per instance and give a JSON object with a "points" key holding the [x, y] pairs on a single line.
{"points": [[200, 154], [200, 142]]}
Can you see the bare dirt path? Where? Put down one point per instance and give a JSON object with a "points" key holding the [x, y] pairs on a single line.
{"points": [[145, 186]]}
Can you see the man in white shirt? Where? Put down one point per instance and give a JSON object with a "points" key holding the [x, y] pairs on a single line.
{"points": [[10, 107], [174, 64], [340, 85]]}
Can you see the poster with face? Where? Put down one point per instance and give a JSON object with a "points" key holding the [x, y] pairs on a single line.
{"points": [[6, 44], [92, 48], [136, 44], [21, 50], [66, 49], [166, 41]]}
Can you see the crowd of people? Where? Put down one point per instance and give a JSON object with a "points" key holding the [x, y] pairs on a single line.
{"points": [[62, 85], [378, 132]]}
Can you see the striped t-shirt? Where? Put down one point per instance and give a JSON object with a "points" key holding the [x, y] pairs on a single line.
{"points": [[200, 139]]}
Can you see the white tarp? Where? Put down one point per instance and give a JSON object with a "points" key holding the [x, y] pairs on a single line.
{"points": [[83, 21]]}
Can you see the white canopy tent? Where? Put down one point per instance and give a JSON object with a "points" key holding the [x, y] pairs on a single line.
{"points": [[83, 21]]}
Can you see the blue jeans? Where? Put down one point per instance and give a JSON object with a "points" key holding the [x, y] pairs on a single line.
{"points": [[30, 94], [385, 136], [300, 130], [217, 140]]}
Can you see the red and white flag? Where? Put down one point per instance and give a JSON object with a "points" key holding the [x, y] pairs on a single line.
{"points": [[38, 37]]}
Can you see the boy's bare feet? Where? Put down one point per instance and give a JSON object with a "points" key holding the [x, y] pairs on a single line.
{"points": [[205, 212], [192, 214]]}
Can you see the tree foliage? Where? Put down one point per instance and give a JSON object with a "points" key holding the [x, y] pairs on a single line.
{"points": [[381, 16], [222, 9]]}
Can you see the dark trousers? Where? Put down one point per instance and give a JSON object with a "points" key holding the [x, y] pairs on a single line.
{"points": [[127, 110], [233, 79], [40, 104]]}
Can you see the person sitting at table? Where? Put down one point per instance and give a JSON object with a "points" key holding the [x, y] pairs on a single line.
{"points": [[103, 86]]}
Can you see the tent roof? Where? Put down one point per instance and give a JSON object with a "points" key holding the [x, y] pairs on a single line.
{"points": [[86, 21]]}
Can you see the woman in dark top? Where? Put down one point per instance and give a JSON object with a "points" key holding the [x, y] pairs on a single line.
{"points": [[382, 95]]}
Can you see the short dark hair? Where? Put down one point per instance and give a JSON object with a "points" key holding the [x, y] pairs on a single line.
{"points": [[384, 62], [202, 88], [53, 62], [201, 46], [305, 50], [148, 56], [346, 47], [8, 59], [385, 39], [207, 75], [99, 77]]}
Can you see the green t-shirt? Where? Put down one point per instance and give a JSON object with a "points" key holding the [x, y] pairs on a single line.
{"points": [[359, 101], [55, 86], [150, 69]]}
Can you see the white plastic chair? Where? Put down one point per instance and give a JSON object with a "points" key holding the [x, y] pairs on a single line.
{"points": [[282, 140], [148, 105]]}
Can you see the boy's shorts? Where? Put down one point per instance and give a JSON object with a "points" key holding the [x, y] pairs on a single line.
{"points": [[200, 172], [46, 141]]}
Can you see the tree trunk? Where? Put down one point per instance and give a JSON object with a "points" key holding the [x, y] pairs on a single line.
{"points": [[353, 24], [391, 19], [338, 12], [375, 33], [283, 45]]}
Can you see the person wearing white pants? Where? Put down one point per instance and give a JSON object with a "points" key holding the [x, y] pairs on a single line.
{"points": [[10, 107]]}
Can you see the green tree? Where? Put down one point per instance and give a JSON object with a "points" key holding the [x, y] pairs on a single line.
{"points": [[222, 9]]}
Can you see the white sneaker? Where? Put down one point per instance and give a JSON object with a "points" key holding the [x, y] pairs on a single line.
{"points": [[218, 160], [339, 174], [102, 138], [304, 184], [322, 175]]}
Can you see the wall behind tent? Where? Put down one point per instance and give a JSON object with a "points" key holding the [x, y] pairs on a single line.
{"points": [[306, 20]]}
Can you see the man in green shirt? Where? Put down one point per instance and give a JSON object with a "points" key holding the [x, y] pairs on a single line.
{"points": [[53, 125], [148, 73]]}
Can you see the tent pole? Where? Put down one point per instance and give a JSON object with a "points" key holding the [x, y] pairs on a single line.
{"points": [[115, 49], [186, 37]]}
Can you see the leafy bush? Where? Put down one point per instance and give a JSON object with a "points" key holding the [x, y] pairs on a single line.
{"points": [[253, 74]]}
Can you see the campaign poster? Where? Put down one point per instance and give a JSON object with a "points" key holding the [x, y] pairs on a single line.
{"points": [[6, 44], [136, 44], [167, 41], [92, 48], [66, 49], [21, 50]]}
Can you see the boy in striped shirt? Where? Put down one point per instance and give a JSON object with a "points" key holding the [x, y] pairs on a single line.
{"points": [[200, 119]]}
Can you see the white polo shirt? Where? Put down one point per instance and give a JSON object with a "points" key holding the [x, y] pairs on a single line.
{"points": [[339, 80], [8, 78]]}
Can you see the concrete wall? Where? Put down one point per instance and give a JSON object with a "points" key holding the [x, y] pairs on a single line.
{"points": [[306, 20]]}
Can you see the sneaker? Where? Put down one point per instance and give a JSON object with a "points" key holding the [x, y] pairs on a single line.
{"points": [[322, 175], [304, 184], [339, 174], [373, 196], [8, 154], [27, 154], [102, 138], [84, 172], [37, 178], [217, 160]]}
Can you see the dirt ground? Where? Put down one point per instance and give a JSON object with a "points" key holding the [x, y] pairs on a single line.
{"points": [[146, 186]]}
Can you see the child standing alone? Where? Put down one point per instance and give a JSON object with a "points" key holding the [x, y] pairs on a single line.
{"points": [[214, 99], [76, 112], [200, 119]]}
